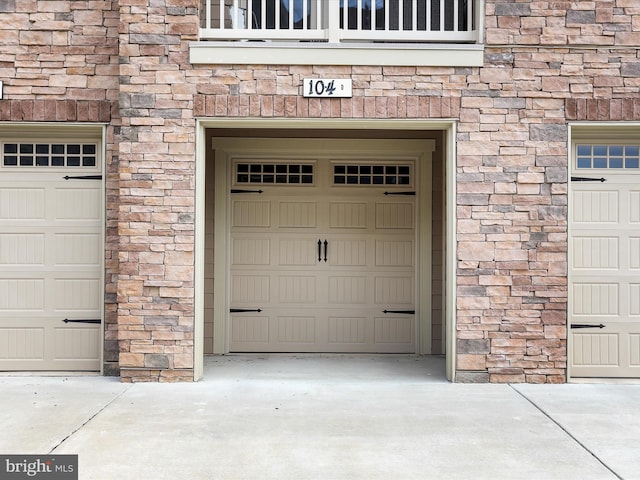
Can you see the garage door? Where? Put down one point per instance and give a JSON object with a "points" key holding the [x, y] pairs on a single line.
{"points": [[605, 261], [323, 255], [50, 255]]}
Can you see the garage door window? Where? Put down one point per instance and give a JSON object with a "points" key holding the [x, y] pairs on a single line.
{"points": [[345, 174], [601, 156], [49, 154], [274, 173]]}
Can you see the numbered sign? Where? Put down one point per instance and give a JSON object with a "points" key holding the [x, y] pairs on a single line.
{"points": [[327, 87]]}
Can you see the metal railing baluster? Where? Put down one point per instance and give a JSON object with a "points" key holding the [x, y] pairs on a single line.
{"points": [[446, 21]]}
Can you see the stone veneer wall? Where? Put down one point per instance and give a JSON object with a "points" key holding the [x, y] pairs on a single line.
{"points": [[545, 63], [542, 59], [157, 195]]}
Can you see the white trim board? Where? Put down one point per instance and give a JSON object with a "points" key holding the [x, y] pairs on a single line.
{"points": [[282, 53]]}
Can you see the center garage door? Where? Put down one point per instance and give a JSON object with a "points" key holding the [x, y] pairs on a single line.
{"points": [[320, 249], [50, 255], [604, 268]]}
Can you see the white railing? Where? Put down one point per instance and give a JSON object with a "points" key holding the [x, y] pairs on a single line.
{"points": [[335, 21]]}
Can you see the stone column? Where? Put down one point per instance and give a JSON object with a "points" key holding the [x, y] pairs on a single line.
{"points": [[156, 220]]}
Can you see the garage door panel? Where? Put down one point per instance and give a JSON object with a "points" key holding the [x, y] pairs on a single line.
{"points": [[297, 252], [77, 343], [348, 289], [395, 330], [613, 351], [348, 215], [250, 289], [395, 216], [596, 207], [634, 207], [76, 294], [347, 253], [77, 249], [348, 330], [251, 251], [634, 350], [77, 204], [295, 330], [296, 214], [596, 252], [249, 332], [249, 213], [394, 290], [596, 349], [21, 249], [22, 294], [21, 343], [596, 298], [394, 253], [297, 289], [634, 300], [634, 253], [22, 203]]}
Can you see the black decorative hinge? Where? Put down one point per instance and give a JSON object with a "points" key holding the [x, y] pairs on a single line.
{"points": [[405, 312], [586, 325], [87, 320], [83, 177], [587, 179], [244, 310], [399, 193], [234, 190]]}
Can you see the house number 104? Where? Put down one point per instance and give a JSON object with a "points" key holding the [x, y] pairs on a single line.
{"points": [[327, 87]]}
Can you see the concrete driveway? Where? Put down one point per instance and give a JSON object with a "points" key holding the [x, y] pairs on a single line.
{"points": [[325, 417]]}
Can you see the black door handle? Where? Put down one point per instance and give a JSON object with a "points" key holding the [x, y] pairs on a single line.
{"points": [[319, 250], [325, 250]]}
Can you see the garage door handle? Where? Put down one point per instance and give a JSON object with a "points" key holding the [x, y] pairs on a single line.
{"points": [[86, 320], [586, 325], [326, 244]]}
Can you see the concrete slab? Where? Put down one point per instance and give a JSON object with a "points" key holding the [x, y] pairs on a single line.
{"points": [[38, 413], [604, 418], [326, 417]]}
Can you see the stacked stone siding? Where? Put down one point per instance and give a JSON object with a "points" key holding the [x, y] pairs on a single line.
{"points": [[157, 196], [546, 63]]}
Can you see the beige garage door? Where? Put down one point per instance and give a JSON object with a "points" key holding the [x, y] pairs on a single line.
{"points": [[323, 255], [50, 255], [605, 261]]}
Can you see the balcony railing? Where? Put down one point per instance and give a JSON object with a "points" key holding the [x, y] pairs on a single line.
{"points": [[339, 21]]}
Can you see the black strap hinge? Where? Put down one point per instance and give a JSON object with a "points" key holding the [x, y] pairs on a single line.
{"points": [[586, 325], [86, 320], [404, 312], [587, 179], [400, 193], [234, 190], [83, 177], [244, 310]]}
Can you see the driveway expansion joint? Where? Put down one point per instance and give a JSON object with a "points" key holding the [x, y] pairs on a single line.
{"points": [[567, 432], [86, 422]]}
